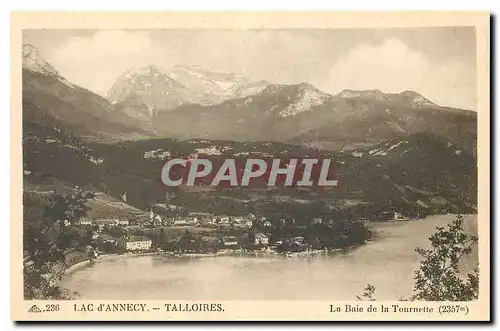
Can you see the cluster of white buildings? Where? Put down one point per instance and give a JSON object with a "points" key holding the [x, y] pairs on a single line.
{"points": [[104, 222], [137, 243], [191, 219]]}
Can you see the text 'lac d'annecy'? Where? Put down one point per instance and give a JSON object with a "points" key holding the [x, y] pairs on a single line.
{"points": [[229, 172]]}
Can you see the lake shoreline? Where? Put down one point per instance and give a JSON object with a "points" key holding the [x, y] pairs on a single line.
{"points": [[240, 253], [388, 262], [80, 265], [221, 253]]}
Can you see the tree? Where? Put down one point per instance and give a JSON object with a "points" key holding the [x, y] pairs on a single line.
{"points": [[161, 240], [250, 237], [88, 237], [438, 277], [138, 232], [115, 232], [105, 187], [368, 295], [47, 235]]}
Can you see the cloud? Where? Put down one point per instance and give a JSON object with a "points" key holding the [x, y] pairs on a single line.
{"points": [[392, 67], [279, 56], [96, 61], [273, 55]]}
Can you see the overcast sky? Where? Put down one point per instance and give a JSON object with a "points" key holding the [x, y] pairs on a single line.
{"points": [[439, 63]]}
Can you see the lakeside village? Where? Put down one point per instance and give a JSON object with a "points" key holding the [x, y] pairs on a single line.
{"points": [[196, 233]]}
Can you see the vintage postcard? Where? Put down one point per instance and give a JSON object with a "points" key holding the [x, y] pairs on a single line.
{"points": [[316, 166]]}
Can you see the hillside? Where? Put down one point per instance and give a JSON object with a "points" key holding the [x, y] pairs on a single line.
{"points": [[407, 98], [51, 100], [421, 172], [101, 206], [421, 168]]}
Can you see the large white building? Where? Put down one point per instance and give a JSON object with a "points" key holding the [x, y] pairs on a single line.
{"points": [[136, 243]]}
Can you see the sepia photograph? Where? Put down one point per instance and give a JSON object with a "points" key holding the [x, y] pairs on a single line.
{"points": [[250, 164]]}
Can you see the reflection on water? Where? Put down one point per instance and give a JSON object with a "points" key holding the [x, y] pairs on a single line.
{"points": [[388, 263]]}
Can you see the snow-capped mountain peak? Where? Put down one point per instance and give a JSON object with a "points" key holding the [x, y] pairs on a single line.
{"points": [[145, 71], [215, 85], [157, 89], [417, 100], [376, 94], [142, 92], [34, 62], [307, 98], [140, 81]]}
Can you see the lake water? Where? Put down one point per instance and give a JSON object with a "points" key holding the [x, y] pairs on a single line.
{"points": [[388, 263]]}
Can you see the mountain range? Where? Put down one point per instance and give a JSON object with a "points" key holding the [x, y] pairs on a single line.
{"points": [[303, 114], [192, 102], [398, 148]]}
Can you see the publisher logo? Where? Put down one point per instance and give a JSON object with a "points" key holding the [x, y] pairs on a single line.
{"points": [[34, 309]]}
